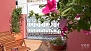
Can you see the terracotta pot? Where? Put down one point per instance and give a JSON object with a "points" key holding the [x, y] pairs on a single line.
{"points": [[18, 38], [55, 47]]}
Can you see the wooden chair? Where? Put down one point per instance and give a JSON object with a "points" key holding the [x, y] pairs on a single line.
{"points": [[4, 33], [8, 42]]}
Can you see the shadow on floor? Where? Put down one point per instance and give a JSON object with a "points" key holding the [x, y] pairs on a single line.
{"points": [[45, 46]]}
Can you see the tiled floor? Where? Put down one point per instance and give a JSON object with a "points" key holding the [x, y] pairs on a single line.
{"points": [[39, 45], [33, 44]]}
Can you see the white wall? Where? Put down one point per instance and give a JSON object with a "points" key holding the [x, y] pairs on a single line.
{"points": [[26, 7], [21, 2], [35, 7]]}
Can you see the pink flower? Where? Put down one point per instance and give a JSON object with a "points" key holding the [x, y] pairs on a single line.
{"points": [[55, 11], [50, 7], [87, 32], [62, 34], [62, 23], [65, 28], [63, 31], [78, 15]]}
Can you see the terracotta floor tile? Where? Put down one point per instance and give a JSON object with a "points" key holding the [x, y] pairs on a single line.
{"points": [[39, 45]]}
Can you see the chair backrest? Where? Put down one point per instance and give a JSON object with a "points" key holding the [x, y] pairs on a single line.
{"points": [[4, 33], [8, 41]]}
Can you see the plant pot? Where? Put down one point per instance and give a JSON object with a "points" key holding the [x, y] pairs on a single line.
{"points": [[78, 41], [18, 38], [55, 47]]}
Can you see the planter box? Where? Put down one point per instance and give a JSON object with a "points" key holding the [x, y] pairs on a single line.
{"points": [[57, 47], [78, 41], [18, 38]]}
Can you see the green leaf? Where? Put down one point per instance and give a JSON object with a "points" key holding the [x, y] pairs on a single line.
{"points": [[64, 2], [31, 13], [66, 12], [41, 6], [78, 29], [42, 20], [77, 9], [83, 25]]}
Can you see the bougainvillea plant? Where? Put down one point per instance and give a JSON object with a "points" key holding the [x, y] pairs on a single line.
{"points": [[71, 15]]}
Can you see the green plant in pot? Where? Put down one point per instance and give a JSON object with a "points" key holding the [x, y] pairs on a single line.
{"points": [[15, 20], [57, 43], [16, 23]]}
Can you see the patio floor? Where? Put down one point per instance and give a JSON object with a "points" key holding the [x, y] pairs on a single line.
{"points": [[33, 44], [39, 45]]}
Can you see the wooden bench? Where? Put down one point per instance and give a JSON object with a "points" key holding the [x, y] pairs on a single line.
{"points": [[8, 42]]}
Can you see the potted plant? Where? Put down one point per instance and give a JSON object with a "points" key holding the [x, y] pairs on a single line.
{"points": [[70, 14], [16, 23], [57, 43]]}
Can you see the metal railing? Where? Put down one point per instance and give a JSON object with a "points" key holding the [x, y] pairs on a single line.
{"points": [[41, 31]]}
